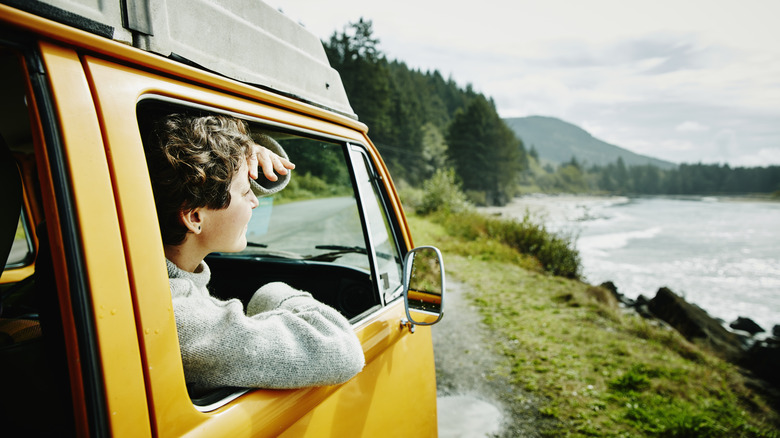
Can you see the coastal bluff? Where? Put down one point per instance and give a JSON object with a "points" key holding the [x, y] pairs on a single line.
{"points": [[759, 358]]}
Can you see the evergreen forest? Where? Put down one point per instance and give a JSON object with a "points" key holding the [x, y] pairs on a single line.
{"points": [[423, 123]]}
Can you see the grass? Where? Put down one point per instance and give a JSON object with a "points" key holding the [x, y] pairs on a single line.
{"points": [[554, 253], [602, 372]]}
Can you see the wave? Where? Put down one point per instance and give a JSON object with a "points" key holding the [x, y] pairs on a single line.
{"points": [[718, 255], [603, 242]]}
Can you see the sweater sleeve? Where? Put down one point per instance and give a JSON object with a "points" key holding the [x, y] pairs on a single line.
{"points": [[286, 340]]}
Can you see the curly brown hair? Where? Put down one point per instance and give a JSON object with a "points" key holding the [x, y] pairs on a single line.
{"points": [[192, 162]]}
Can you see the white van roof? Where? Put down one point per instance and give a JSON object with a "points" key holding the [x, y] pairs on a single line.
{"points": [[246, 40]]}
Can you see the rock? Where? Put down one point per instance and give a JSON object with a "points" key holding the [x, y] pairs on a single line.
{"points": [[695, 324], [746, 325], [641, 306], [776, 331], [610, 286], [644, 311], [622, 299], [763, 359]]}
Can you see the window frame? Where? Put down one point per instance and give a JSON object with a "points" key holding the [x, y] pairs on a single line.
{"points": [[226, 396], [381, 196], [348, 145], [62, 227]]}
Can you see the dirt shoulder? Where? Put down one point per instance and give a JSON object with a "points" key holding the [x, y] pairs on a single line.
{"points": [[471, 374]]}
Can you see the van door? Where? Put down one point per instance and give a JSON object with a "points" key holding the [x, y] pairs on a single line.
{"points": [[352, 260], [86, 339]]}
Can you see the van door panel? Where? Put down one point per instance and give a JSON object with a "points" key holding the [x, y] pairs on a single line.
{"points": [[384, 399], [372, 404], [101, 244]]}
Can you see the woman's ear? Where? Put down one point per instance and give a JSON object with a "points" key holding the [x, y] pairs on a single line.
{"points": [[193, 220]]}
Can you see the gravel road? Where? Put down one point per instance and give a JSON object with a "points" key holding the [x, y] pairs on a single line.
{"points": [[475, 397]]}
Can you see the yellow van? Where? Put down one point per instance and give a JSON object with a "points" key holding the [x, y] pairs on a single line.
{"points": [[88, 342]]}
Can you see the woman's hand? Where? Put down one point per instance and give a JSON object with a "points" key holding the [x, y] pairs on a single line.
{"points": [[269, 162]]}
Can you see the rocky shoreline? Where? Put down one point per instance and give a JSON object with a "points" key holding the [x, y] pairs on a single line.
{"points": [[740, 344]]}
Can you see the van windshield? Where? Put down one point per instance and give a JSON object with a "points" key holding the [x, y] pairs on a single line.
{"points": [[316, 217]]}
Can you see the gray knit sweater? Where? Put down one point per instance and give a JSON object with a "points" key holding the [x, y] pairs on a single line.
{"points": [[286, 338]]}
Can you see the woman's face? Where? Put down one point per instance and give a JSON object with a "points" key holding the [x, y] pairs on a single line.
{"points": [[225, 230]]}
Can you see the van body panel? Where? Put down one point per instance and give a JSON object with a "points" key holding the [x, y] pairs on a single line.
{"points": [[383, 401], [43, 205], [101, 244]]}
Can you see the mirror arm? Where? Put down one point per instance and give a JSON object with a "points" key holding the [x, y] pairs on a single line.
{"points": [[408, 324]]}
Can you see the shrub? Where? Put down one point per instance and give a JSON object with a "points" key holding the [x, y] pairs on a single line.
{"points": [[477, 197], [557, 254], [411, 198], [443, 194], [307, 186]]}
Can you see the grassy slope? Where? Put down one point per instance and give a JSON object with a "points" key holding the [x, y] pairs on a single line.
{"points": [[602, 372]]}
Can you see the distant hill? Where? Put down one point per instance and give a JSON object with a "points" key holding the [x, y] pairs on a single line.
{"points": [[557, 141]]}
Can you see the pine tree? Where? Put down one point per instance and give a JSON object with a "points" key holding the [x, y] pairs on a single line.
{"points": [[354, 52], [485, 152]]}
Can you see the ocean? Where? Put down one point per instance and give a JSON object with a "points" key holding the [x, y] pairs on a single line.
{"points": [[722, 254]]}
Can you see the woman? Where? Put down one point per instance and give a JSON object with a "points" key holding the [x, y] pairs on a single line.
{"points": [[203, 171]]}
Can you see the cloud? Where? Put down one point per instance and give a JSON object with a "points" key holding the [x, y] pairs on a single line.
{"points": [[760, 158], [660, 77], [690, 126]]}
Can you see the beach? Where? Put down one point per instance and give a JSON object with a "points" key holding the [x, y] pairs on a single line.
{"points": [[719, 253], [555, 211]]}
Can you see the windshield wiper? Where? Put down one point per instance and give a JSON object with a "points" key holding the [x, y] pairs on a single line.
{"points": [[345, 248], [337, 251]]}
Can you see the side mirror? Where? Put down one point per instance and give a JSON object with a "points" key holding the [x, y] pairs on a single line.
{"points": [[423, 286]]}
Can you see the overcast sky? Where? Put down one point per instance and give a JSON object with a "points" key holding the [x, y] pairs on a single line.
{"points": [[681, 80]]}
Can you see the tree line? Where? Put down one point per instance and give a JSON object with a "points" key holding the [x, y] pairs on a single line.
{"points": [[422, 122], [685, 179]]}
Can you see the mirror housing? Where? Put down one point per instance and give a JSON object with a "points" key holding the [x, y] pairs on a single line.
{"points": [[424, 286]]}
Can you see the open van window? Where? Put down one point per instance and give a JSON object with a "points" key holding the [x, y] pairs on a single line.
{"points": [[310, 235]]}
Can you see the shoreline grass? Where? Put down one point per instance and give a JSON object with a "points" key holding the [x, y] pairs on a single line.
{"points": [[602, 372]]}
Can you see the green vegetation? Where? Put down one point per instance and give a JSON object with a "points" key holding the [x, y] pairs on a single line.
{"points": [[555, 254], [307, 186], [443, 198], [602, 372], [556, 141], [618, 178], [485, 152], [326, 172], [421, 123]]}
